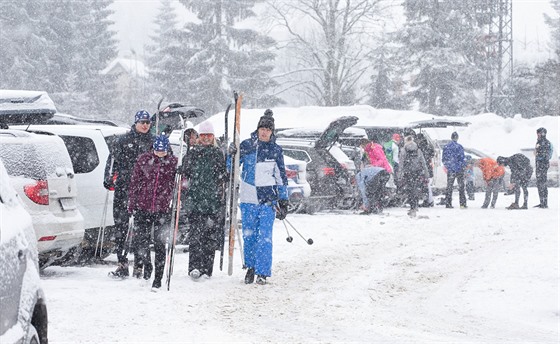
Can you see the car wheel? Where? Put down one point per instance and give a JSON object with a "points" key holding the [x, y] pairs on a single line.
{"points": [[32, 335]]}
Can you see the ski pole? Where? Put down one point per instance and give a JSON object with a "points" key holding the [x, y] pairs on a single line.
{"points": [[309, 241], [289, 238], [101, 233]]}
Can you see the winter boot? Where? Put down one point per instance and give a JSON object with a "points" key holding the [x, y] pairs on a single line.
{"points": [[137, 272], [250, 276], [513, 206], [261, 279], [524, 206], [156, 285], [121, 271], [195, 274]]}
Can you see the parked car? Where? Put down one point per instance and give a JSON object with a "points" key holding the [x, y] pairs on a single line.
{"points": [[41, 171], [299, 189], [330, 172], [89, 147], [23, 315]]}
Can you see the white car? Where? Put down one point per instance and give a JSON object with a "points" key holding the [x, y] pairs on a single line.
{"points": [[23, 315], [41, 172], [88, 147]]}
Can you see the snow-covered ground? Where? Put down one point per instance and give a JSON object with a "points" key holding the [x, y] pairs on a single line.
{"points": [[460, 275]]}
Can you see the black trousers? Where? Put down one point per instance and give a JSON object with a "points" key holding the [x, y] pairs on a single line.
{"points": [[143, 222], [120, 217], [541, 170], [375, 190], [413, 185], [451, 176], [206, 231]]}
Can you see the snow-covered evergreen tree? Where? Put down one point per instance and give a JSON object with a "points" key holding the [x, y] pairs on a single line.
{"points": [[221, 57], [442, 44]]}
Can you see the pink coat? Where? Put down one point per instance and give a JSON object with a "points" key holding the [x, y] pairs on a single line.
{"points": [[377, 156]]}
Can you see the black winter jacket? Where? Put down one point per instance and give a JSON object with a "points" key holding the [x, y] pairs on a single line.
{"points": [[125, 152], [520, 167]]}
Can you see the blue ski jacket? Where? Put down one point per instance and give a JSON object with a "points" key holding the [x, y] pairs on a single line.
{"points": [[263, 177], [453, 157]]}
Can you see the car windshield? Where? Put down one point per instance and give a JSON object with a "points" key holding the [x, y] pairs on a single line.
{"points": [[34, 160]]}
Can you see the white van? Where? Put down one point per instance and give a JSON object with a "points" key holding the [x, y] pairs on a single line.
{"points": [[41, 171]]}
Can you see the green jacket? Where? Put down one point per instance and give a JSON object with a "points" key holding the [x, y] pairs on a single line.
{"points": [[204, 168]]}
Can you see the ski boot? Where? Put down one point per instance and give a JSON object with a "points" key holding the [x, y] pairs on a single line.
{"points": [[121, 271], [261, 280], [250, 276]]}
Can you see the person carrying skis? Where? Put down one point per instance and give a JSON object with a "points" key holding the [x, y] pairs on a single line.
{"points": [[204, 169], [453, 159], [521, 172], [263, 195], [413, 172], [150, 193], [493, 175], [118, 171], [543, 154]]}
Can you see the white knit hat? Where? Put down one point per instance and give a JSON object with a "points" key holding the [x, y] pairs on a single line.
{"points": [[206, 128]]}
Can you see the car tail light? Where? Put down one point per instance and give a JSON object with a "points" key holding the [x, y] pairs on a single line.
{"points": [[328, 171], [291, 174], [47, 238], [38, 192]]}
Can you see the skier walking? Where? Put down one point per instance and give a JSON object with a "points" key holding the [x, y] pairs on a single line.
{"points": [[117, 175], [204, 169], [413, 172], [543, 154], [150, 193], [521, 172], [493, 175], [453, 159], [263, 195]]}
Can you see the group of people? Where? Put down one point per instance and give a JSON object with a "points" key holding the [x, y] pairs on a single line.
{"points": [[412, 166], [142, 171]]}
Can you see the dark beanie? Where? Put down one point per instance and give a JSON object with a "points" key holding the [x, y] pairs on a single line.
{"points": [[454, 136], [266, 121]]}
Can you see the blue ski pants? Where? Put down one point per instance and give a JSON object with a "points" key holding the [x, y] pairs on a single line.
{"points": [[257, 221]]}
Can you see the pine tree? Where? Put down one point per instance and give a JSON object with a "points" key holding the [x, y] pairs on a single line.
{"points": [[441, 41], [220, 57]]}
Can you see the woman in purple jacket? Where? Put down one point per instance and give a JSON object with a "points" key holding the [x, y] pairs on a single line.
{"points": [[150, 193]]}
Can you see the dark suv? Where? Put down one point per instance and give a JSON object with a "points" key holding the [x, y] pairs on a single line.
{"points": [[330, 172]]}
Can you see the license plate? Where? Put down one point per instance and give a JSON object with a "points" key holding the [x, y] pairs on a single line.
{"points": [[67, 203]]}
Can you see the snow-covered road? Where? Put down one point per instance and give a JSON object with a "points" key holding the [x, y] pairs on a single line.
{"points": [[460, 275]]}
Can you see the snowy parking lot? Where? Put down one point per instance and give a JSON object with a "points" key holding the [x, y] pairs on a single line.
{"points": [[455, 275]]}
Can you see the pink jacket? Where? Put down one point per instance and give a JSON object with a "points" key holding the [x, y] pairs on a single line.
{"points": [[377, 156]]}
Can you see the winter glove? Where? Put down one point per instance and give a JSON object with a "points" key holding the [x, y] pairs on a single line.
{"points": [[109, 183], [232, 149], [282, 209]]}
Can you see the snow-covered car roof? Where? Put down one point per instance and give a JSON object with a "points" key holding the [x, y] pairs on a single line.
{"points": [[18, 106]]}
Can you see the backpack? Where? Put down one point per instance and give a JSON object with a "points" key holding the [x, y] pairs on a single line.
{"points": [[411, 161], [388, 149]]}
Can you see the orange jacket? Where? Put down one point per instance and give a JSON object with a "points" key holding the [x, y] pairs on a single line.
{"points": [[490, 169]]}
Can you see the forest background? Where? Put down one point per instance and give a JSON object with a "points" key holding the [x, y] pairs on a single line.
{"points": [[430, 56]]}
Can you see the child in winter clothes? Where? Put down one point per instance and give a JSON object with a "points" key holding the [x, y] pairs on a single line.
{"points": [[204, 168], [150, 193], [493, 175]]}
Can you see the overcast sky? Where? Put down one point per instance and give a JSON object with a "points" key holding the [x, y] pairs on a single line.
{"points": [[135, 23]]}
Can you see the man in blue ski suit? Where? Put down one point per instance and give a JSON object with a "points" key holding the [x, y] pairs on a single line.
{"points": [[453, 159], [263, 191]]}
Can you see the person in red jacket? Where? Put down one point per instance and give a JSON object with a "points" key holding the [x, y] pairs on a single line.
{"points": [[150, 193], [492, 173]]}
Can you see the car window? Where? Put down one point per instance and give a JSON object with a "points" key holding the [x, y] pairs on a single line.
{"points": [[297, 154], [82, 152], [33, 160]]}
